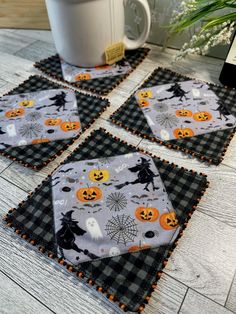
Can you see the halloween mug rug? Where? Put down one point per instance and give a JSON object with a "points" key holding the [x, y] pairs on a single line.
{"points": [[73, 73], [39, 119], [100, 80], [111, 214], [181, 113], [99, 198]]}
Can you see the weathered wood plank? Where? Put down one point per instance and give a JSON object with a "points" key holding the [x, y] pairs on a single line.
{"points": [[4, 163], [55, 288], [11, 42], [230, 156], [11, 294], [10, 195], [201, 67], [195, 303], [167, 298], [205, 258], [231, 300], [25, 178], [221, 193], [37, 51], [14, 69], [6, 88], [42, 35]]}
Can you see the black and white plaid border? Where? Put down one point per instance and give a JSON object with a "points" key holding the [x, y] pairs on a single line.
{"points": [[37, 156], [102, 86], [127, 278], [210, 147]]}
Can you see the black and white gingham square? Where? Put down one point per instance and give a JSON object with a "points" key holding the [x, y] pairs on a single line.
{"points": [[101, 86], [211, 146], [129, 277], [36, 156]]}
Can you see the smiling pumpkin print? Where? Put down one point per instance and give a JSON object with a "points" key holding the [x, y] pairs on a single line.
{"points": [[99, 175], [202, 116], [15, 113], [147, 214], [183, 132], [169, 221], [183, 113], [83, 77], [145, 94], [27, 103], [69, 126], [89, 194]]}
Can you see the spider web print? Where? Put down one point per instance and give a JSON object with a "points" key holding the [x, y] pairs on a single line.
{"points": [[168, 120], [116, 201], [30, 130], [122, 229]]}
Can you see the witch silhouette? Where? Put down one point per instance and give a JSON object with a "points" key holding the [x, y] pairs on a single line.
{"points": [[65, 236]]}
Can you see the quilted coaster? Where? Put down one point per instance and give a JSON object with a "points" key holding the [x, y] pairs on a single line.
{"points": [[211, 146], [38, 155], [127, 279], [33, 118], [102, 85], [73, 73]]}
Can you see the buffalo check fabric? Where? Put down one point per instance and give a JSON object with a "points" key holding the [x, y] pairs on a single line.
{"points": [[103, 85], [38, 155], [130, 277], [209, 146]]}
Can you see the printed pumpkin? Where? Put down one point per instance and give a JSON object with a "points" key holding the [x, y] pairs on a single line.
{"points": [[145, 94], [143, 103], [136, 248], [182, 133], [70, 126], [147, 214], [202, 116], [53, 122], [183, 113], [90, 194], [169, 221], [15, 113], [40, 140], [27, 103], [97, 175], [83, 77]]}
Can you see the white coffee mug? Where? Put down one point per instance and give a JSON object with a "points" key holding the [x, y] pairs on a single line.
{"points": [[83, 29]]}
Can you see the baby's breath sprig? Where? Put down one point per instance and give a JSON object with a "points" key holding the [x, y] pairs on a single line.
{"points": [[214, 30]]}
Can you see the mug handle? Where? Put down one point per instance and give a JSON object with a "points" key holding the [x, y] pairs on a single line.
{"points": [[131, 44]]}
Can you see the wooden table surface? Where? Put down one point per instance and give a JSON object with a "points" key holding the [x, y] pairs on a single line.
{"points": [[200, 275]]}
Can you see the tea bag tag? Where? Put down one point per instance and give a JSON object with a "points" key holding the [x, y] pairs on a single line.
{"points": [[114, 53]]}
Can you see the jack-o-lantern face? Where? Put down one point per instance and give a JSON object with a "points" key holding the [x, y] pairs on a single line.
{"points": [[136, 248], [168, 221], [40, 140], [70, 126], [143, 103], [145, 94], [182, 133], [202, 116], [52, 122], [97, 175], [83, 77], [183, 113], [90, 194], [147, 214], [27, 103], [15, 113]]}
